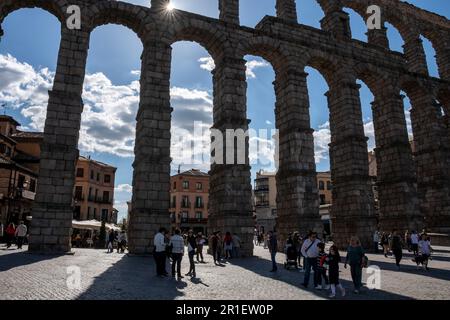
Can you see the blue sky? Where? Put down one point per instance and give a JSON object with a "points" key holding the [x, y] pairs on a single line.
{"points": [[28, 53]]}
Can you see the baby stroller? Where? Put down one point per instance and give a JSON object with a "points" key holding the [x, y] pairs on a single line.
{"points": [[291, 257]]}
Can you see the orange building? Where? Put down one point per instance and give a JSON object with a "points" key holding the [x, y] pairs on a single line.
{"points": [[189, 193], [94, 191]]}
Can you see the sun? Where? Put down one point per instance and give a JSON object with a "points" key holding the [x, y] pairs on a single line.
{"points": [[170, 7]]}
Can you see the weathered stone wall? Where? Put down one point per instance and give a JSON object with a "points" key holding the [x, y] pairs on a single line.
{"points": [[289, 47]]}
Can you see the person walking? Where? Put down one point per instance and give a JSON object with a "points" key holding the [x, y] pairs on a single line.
{"points": [[397, 247], [192, 249], [273, 247], [111, 238], [215, 242], [425, 250], [385, 243], [159, 253], [228, 245], [10, 234], [415, 243], [376, 241], [310, 251], [21, 233], [236, 245], [333, 259], [408, 240], [355, 256], [177, 245], [121, 242], [200, 243], [321, 273]]}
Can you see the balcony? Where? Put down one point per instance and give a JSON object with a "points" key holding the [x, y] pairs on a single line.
{"points": [[78, 197], [199, 205], [261, 189], [198, 220]]}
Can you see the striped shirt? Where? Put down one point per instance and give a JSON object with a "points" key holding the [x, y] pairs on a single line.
{"points": [[177, 242]]}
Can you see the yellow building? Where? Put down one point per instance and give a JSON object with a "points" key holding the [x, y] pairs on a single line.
{"points": [[94, 191], [189, 194], [265, 197]]}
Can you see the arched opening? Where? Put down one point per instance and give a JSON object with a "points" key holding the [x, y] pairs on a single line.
{"points": [[407, 110], [253, 11], [192, 118], [430, 54], [310, 13], [111, 93], [262, 140], [396, 41], [28, 57], [358, 26], [320, 122]]}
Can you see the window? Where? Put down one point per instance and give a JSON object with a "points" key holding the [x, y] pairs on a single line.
{"points": [[198, 202], [98, 176], [78, 193], [89, 213], [184, 216], [322, 199], [185, 184], [106, 196], [95, 213], [92, 174], [199, 186], [107, 178], [32, 185], [174, 185], [329, 186], [104, 214], [80, 172], [2, 148], [199, 215], [185, 202], [321, 185], [174, 201], [96, 195]]}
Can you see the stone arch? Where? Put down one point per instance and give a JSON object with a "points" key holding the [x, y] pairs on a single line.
{"points": [[56, 8], [327, 66], [111, 12], [204, 33]]}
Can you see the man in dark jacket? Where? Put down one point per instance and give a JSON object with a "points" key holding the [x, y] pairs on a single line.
{"points": [[273, 247]]}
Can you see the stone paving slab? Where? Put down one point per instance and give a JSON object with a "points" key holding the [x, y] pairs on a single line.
{"points": [[117, 276]]}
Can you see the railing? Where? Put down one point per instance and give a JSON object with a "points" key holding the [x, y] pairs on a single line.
{"points": [[262, 189], [262, 204], [199, 205], [185, 204], [78, 197]]}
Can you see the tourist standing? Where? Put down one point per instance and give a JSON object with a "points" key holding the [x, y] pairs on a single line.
{"points": [[236, 245], [159, 253], [177, 245], [333, 259], [397, 247], [415, 243], [111, 238], [425, 250], [121, 242], [298, 248], [310, 251], [215, 242], [1, 231], [192, 249], [21, 233], [355, 256], [10, 234], [228, 245], [200, 243], [408, 240], [376, 241], [273, 247], [321, 273]]}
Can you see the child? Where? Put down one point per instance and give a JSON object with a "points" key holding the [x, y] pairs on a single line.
{"points": [[333, 260], [321, 270]]}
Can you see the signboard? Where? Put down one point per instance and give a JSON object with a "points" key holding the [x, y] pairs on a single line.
{"points": [[28, 194]]}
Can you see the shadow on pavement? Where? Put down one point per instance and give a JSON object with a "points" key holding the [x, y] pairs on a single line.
{"points": [[286, 276], [21, 258], [133, 278]]}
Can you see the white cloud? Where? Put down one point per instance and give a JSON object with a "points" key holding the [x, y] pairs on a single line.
{"points": [[322, 139], [207, 63], [124, 188], [136, 72], [268, 122]]}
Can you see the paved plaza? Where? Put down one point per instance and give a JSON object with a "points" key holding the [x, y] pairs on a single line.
{"points": [[117, 276]]}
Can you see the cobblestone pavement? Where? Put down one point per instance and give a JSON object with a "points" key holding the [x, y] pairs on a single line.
{"points": [[118, 276]]}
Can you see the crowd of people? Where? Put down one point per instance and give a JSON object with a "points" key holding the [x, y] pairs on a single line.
{"points": [[172, 248]]}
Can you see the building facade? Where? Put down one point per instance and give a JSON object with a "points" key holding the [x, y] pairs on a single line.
{"points": [[189, 193], [265, 201], [94, 191]]}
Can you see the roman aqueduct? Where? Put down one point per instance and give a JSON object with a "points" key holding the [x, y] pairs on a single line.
{"points": [[414, 189]]}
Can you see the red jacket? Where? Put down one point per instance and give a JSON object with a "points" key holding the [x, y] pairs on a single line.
{"points": [[11, 230]]}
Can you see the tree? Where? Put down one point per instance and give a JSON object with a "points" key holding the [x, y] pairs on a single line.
{"points": [[102, 235]]}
